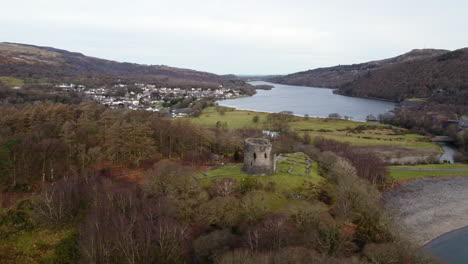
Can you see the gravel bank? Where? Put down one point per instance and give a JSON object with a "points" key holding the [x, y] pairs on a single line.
{"points": [[428, 208]]}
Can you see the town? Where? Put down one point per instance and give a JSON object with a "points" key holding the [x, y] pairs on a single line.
{"points": [[149, 97]]}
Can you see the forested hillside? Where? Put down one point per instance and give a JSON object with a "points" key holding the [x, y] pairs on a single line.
{"points": [[443, 78], [35, 64], [439, 74]]}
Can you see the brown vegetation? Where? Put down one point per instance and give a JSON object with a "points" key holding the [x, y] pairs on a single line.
{"points": [[420, 73], [33, 63], [171, 217]]}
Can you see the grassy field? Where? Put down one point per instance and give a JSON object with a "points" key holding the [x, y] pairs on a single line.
{"points": [[236, 119], [36, 246], [11, 81], [240, 119], [284, 181], [416, 100], [341, 130], [376, 137]]}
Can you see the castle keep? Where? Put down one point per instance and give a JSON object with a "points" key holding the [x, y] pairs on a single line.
{"points": [[257, 156]]}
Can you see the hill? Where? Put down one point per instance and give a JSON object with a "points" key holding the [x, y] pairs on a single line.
{"points": [[418, 73], [31, 63], [443, 78]]}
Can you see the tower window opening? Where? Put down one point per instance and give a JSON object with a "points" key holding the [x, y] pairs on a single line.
{"points": [[266, 156], [255, 156]]}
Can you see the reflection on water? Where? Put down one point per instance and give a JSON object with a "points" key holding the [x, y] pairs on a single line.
{"points": [[315, 102]]}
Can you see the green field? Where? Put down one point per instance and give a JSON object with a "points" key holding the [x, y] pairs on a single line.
{"points": [[240, 119], [284, 181], [11, 81], [236, 119], [36, 246], [341, 130], [416, 100]]}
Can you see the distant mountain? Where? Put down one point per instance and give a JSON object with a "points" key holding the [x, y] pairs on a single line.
{"points": [[33, 62], [420, 73]]}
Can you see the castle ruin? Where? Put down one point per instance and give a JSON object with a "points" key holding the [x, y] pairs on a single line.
{"points": [[257, 156]]}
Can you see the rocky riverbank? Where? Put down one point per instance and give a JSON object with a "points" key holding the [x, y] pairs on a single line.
{"points": [[428, 208]]}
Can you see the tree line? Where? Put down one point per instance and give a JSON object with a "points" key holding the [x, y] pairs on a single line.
{"points": [[43, 142]]}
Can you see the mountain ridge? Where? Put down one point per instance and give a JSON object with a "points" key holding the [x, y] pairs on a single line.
{"points": [[33, 62], [440, 75], [336, 76]]}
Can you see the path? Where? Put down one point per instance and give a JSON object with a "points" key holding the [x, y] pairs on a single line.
{"points": [[416, 169]]}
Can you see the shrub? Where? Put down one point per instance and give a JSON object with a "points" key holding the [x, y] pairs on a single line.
{"points": [[367, 166], [66, 251], [211, 245], [306, 191], [236, 155], [59, 202], [175, 182], [329, 240], [224, 187], [306, 216], [288, 255], [253, 206], [381, 254], [270, 187], [372, 226], [248, 184], [14, 221], [238, 256], [221, 211]]}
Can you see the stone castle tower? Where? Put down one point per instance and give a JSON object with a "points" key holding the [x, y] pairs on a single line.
{"points": [[257, 156]]}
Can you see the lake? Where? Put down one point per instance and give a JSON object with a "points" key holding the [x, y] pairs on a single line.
{"points": [[302, 100], [451, 247]]}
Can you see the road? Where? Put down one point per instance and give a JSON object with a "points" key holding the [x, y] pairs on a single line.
{"points": [[418, 169]]}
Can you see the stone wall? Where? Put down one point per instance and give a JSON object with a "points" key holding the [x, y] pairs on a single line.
{"points": [[257, 156]]}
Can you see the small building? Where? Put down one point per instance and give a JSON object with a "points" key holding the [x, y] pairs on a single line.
{"points": [[181, 112]]}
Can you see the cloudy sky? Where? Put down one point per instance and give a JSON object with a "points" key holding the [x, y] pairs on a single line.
{"points": [[241, 37]]}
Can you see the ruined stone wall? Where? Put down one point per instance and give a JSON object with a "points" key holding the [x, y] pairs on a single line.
{"points": [[257, 156]]}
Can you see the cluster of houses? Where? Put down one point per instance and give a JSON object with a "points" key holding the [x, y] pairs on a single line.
{"points": [[149, 97], [462, 122]]}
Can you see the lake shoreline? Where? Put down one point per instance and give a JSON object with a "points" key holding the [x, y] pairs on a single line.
{"points": [[429, 208], [270, 112], [302, 101], [448, 233]]}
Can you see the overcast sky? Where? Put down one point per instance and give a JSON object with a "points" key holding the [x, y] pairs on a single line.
{"points": [[238, 36]]}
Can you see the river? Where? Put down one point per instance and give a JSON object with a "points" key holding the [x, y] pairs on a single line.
{"points": [[449, 152], [302, 100]]}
